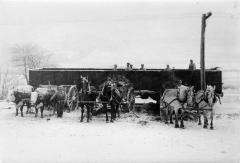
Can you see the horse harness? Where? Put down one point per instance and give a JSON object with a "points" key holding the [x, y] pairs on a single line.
{"points": [[204, 98]]}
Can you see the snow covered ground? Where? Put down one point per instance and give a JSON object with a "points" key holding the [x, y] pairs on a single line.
{"points": [[29, 139]]}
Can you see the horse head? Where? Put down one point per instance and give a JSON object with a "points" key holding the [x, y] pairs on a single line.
{"points": [[84, 84], [210, 95], [190, 96]]}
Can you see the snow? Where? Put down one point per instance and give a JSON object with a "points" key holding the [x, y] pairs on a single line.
{"points": [[29, 139], [144, 101]]}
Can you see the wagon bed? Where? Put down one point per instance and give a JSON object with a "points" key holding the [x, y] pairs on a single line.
{"points": [[149, 79]]}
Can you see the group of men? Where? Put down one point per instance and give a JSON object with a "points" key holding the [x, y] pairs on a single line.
{"points": [[192, 66]]}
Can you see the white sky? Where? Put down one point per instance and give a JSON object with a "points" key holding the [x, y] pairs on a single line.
{"points": [[100, 33]]}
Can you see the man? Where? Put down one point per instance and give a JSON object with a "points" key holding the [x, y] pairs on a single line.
{"points": [[131, 67], [115, 67], [192, 65], [167, 68], [179, 83], [142, 67], [128, 66], [181, 91]]}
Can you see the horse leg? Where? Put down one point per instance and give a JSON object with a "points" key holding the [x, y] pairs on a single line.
{"points": [[171, 116], [176, 119], [36, 111], [21, 109], [211, 124], [55, 106], [41, 109], [27, 109], [91, 111], [118, 110], [82, 112], [59, 108], [181, 118], [17, 110], [112, 112], [106, 110], [205, 119], [205, 122], [88, 113], [199, 118], [166, 115]]}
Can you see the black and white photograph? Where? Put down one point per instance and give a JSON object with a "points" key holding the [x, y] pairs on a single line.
{"points": [[113, 81]]}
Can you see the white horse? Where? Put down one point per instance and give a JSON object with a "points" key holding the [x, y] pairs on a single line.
{"points": [[175, 100], [205, 100]]}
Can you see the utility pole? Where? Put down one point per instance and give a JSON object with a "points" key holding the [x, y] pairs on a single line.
{"points": [[202, 50]]}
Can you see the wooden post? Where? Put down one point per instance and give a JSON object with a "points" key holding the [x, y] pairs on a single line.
{"points": [[202, 50]]}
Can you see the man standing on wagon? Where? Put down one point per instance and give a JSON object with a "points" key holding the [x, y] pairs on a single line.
{"points": [[192, 65]]}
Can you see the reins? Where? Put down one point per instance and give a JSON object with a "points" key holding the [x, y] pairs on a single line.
{"points": [[169, 103]]}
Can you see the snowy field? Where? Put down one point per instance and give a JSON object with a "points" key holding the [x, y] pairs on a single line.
{"points": [[28, 139]]}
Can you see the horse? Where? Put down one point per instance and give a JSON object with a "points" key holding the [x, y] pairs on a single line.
{"points": [[44, 97], [20, 99], [205, 100], [87, 97], [175, 100], [20, 96], [111, 94]]}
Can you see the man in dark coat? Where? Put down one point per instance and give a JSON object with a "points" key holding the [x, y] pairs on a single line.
{"points": [[192, 65]]}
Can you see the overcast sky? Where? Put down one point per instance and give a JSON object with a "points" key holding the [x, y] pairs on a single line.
{"points": [[104, 33]]}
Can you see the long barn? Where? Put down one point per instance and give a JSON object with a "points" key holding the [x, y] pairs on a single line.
{"points": [[149, 79]]}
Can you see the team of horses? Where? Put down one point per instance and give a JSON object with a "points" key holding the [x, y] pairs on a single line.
{"points": [[178, 101], [39, 98], [173, 102]]}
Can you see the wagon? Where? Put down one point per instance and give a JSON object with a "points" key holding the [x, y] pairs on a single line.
{"points": [[156, 80], [149, 79], [73, 98]]}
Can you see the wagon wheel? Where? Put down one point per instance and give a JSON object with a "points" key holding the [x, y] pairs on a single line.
{"points": [[72, 98], [130, 99]]}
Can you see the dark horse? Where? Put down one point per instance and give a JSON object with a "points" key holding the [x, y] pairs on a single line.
{"points": [[111, 95], [21, 99], [87, 97]]}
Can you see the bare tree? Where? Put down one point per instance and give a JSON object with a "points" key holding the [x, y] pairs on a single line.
{"points": [[4, 79], [29, 56]]}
